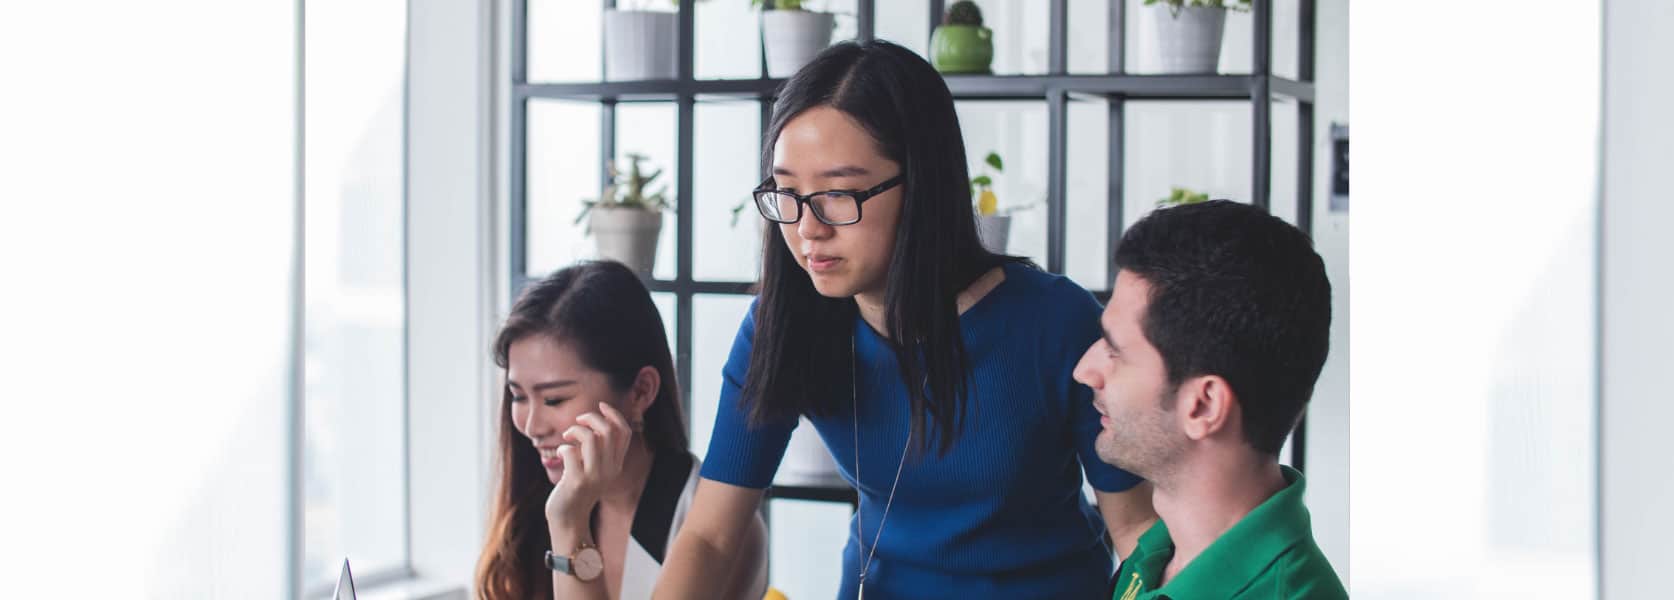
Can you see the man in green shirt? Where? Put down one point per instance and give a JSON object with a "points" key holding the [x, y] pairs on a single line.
{"points": [[1217, 328]]}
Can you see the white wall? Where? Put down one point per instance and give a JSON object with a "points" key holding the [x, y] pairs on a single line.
{"points": [[1474, 339], [149, 197], [1638, 292], [1328, 451]]}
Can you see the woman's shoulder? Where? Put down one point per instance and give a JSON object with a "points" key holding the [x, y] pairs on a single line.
{"points": [[1047, 294]]}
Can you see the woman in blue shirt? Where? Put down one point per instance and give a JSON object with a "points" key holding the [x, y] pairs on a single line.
{"points": [[938, 374]]}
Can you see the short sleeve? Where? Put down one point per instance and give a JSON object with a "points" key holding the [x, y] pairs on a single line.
{"points": [[740, 453]]}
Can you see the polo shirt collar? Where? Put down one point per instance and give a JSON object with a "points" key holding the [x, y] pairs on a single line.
{"points": [[1238, 556]]}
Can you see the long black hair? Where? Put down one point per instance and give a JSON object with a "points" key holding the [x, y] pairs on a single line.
{"points": [[801, 360], [605, 314]]}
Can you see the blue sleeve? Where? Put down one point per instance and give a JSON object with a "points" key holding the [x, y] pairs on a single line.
{"points": [[739, 453], [1080, 332]]}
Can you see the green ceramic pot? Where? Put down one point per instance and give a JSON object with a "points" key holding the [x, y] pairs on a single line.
{"points": [[962, 48]]}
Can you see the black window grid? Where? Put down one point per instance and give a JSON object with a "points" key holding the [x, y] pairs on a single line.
{"points": [[1260, 87]]}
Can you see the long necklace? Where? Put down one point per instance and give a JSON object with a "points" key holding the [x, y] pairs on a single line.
{"points": [[860, 523]]}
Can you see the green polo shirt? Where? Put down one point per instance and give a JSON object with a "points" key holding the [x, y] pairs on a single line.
{"points": [[1270, 553]]}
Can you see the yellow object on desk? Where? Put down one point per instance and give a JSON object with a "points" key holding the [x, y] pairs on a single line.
{"points": [[774, 594]]}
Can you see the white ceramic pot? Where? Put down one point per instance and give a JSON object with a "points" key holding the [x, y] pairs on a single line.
{"points": [[641, 45], [791, 38], [1190, 42], [995, 231], [807, 460], [626, 235]]}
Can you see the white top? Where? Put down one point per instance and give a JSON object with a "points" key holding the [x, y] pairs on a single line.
{"points": [[658, 518]]}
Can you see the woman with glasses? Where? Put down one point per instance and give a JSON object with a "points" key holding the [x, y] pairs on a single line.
{"points": [[938, 374]]}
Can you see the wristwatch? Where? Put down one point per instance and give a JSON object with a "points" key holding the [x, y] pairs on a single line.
{"points": [[585, 563]]}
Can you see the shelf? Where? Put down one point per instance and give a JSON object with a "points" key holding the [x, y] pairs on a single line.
{"points": [[820, 493], [703, 287], [1056, 92], [740, 288], [964, 87], [666, 90]]}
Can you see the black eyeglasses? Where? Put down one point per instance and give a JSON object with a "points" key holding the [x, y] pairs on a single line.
{"points": [[832, 207]]}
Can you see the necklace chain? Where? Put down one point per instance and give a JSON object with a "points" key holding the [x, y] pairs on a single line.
{"points": [[860, 523]]}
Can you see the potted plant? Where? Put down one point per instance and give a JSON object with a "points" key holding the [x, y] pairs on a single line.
{"points": [[961, 44], [640, 43], [993, 225], [1179, 195], [1188, 33], [791, 35], [627, 219]]}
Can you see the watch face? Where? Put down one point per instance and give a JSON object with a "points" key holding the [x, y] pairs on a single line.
{"points": [[588, 564]]}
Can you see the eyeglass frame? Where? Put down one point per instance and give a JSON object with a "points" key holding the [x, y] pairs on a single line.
{"points": [[860, 198]]}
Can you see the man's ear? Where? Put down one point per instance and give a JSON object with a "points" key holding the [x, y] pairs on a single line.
{"points": [[1206, 406]]}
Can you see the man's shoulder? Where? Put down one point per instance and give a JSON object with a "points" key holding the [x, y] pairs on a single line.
{"points": [[1300, 572]]}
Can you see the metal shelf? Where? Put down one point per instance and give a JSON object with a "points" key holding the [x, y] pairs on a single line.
{"points": [[1260, 89], [964, 87], [820, 493], [741, 288]]}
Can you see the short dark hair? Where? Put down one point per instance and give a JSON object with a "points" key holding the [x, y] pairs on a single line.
{"points": [[1238, 293]]}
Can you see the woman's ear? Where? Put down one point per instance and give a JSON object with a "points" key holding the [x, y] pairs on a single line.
{"points": [[643, 393]]}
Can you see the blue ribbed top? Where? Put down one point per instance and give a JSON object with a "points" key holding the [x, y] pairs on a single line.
{"points": [[1002, 514]]}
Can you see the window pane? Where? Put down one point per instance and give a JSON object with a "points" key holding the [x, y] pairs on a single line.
{"points": [[715, 321], [649, 129], [728, 41], [665, 302], [354, 457], [1021, 29], [564, 168], [905, 22], [148, 209], [1017, 132], [1284, 157], [1237, 41], [1089, 36], [1203, 146], [565, 40], [1287, 36], [727, 162], [847, 24], [1086, 258], [806, 540]]}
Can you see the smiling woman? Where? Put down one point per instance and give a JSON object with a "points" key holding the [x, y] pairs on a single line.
{"points": [[594, 474]]}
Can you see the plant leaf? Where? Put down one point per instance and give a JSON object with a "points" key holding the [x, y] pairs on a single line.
{"points": [[586, 207], [994, 161], [737, 210]]}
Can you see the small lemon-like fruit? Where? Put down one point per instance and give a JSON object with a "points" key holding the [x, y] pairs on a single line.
{"points": [[987, 203]]}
